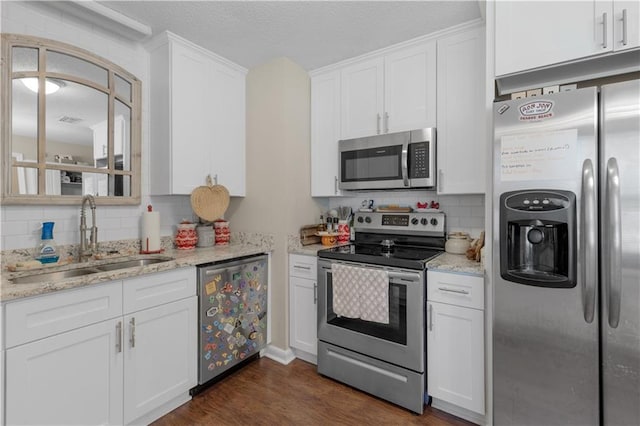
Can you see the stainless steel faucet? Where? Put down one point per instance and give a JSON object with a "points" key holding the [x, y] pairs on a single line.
{"points": [[88, 248]]}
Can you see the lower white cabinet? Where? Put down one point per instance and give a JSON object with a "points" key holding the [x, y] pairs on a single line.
{"points": [[100, 363], [159, 362], [303, 299], [73, 378], [455, 340]]}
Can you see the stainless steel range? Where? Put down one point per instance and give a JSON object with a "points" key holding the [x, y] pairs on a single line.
{"points": [[371, 305]]}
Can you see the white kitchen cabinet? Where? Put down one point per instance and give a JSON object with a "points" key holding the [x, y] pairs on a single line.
{"points": [[69, 378], [531, 35], [461, 129], [455, 340], [325, 133], [303, 299], [197, 118], [160, 356], [391, 93], [112, 353]]}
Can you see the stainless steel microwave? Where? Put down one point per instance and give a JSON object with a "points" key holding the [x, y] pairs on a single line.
{"points": [[400, 160]]}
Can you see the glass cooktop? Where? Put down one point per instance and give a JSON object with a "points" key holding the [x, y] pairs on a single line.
{"points": [[401, 256]]}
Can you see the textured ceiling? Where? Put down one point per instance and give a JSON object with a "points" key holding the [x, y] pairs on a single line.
{"points": [[311, 33]]}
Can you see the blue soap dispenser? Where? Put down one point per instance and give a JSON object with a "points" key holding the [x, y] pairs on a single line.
{"points": [[47, 251]]}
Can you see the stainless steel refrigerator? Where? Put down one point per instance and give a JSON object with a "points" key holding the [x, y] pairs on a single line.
{"points": [[566, 326]]}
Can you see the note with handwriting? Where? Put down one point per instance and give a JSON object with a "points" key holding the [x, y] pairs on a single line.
{"points": [[539, 156]]}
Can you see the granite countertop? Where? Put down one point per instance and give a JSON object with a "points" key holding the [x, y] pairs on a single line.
{"points": [[310, 250], [180, 258], [458, 263]]}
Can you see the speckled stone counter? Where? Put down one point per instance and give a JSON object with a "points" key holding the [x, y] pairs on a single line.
{"points": [[457, 263], [295, 247], [178, 259]]}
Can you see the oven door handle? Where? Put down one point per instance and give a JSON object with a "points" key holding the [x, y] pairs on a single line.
{"points": [[404, 276]]}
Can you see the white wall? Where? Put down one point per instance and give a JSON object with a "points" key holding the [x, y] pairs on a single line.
{"points": [[278, 197], [20, 224]]}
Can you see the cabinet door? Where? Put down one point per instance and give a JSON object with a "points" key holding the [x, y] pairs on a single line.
{"points": [[191, 116], [73, 378], [303, 308], [532, 34], [160, 356], [626, 24], [325, 133], [410, 89], [455, 355], [228, 128], [462, 140], [362, 99]]}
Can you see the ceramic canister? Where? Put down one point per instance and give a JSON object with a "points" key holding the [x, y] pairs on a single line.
{"points": [[206, 237], [223, 235], [186, 237]]}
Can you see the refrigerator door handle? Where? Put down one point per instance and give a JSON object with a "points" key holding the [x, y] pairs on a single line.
{"points": [[588, 235], [613, 246]]}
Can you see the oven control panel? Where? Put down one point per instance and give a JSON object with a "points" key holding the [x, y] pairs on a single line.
{"points": [[423, 223]]}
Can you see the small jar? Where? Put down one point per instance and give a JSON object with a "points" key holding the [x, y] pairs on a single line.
{"points": [[186, 237], [458, 243], [343, 232]]}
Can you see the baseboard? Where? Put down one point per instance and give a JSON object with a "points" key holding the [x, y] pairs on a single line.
{"points": [[463, 413], [279, 355], [162, 410], [305, 356]]}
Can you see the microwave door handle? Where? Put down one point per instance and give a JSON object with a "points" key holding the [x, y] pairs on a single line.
{"points": [[405, 165]]}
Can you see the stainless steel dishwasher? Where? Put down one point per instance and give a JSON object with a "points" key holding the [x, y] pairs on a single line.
{"points": [[232, 311]]}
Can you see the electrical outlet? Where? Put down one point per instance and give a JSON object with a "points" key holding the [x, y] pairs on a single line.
{"points": [[518, 95], [534, 92], [550, 89], [568, 87]]}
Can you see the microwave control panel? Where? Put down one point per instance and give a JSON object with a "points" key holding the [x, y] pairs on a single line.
{"points": [[419, 160]]}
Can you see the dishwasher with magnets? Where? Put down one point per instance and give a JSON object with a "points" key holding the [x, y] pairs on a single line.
{"points": [[232, 315]]}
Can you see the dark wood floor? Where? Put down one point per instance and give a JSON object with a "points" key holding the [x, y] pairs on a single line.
{"points": [[268, 393]]}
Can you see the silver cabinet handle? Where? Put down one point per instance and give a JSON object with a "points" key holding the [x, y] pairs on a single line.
{"points": [[119, 337], [613, 262], [335, 184], [306, 268], [440, 175], [132, 326], [588, 243], [386, 122], [405, 164], [315, 293], [450, 290], [604, 30], [624, 27], [430, 317], [378, 123]]}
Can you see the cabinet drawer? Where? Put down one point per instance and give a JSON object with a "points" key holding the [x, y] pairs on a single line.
{"points": [[303, 266], [455, 289], [151, 290], [46, 315]]}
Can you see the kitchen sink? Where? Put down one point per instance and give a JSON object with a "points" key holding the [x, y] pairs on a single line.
{"points": [[132, 263], [54, 276], [61, 275]]}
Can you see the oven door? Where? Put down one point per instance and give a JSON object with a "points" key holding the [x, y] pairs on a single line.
{"points": [[401, 342]]}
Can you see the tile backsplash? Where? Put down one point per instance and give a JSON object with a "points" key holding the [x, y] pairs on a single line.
{"points": [[464, 213]]}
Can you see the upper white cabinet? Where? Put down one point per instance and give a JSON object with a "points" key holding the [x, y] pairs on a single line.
{"points": [[531, 34], [461, 130], [325, 133], [389, 94], [197, 118]]}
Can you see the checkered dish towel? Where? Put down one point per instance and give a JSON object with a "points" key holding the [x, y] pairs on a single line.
{"points": [[360, 293]]}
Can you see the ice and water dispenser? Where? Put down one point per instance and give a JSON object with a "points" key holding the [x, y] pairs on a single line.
{"points": [[538, 238]]}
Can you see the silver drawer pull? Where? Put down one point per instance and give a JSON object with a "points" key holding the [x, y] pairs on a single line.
{"points": [[306, 268], [450, 290], [132, 338], [119, 337]]}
